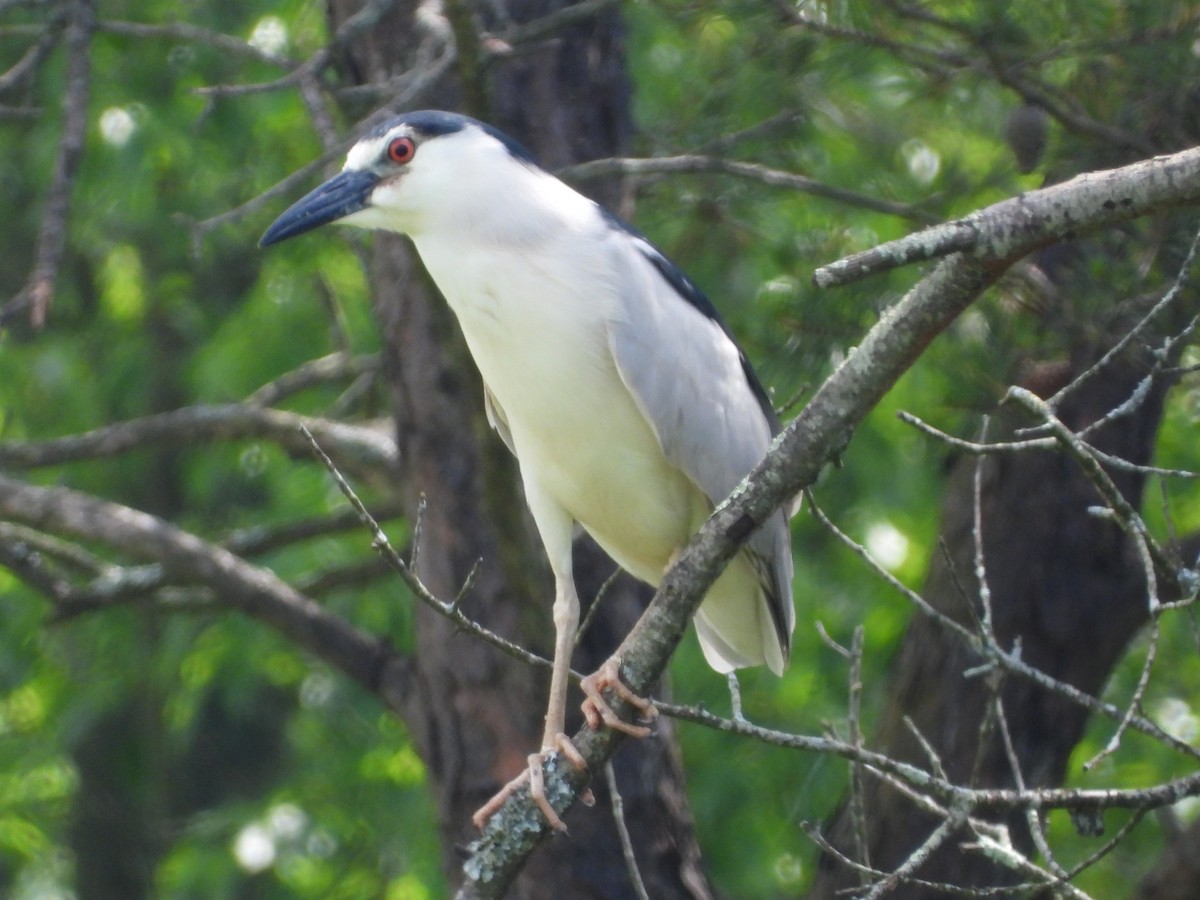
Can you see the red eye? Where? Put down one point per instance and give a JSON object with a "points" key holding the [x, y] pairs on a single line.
{"points": [[401, 150]]}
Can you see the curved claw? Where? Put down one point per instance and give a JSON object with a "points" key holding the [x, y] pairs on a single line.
{"points": [[597, 710], [534, 774]]}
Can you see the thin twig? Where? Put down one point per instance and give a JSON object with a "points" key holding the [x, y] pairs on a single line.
{"points": [[380, 542], [38, 292], [1169, 298], [418, 523], [554, 22], [337, 366], [976, 448], [980, 799], [735, 696], [1032, 820], [1135, 702], [595, 606], [697, 164], [985, 592], [1110, 845], [935, 761], [1124, 513], [916, 859], [48, 36], [1010, 662], [358, 448], [938, 887], [858, 803], [618, 808]]}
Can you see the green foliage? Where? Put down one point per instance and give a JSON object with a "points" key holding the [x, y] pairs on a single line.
{"points": [[153, 314]]}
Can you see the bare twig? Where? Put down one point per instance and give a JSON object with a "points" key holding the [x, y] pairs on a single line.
{"points": [[935, 761], [418, 525], [366, 18], [618, 808], [1010, 662], [1135, 701], [945, 60], [554, 22], [980, 799], [333, 367], [946, 830], [1124, 513], [48, 36], [1032, 819], [24, 561], [111, 584], [38, 292], [380, 542], [858, 805], [597, 604], [976, 448], [982, 587], [695, 164], [73, 556], [1168, 299], [289, 185]]}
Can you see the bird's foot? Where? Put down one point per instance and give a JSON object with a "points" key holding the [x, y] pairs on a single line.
{"points": [[596, 709], [537, 785]]}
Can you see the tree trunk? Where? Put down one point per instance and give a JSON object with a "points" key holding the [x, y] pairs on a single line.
{"points": [[476, 713]]}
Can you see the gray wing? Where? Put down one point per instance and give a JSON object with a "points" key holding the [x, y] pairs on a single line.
{"points": [[693, 384]]}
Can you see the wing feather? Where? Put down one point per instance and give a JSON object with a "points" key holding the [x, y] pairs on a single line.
{"points": [[695, 387]]}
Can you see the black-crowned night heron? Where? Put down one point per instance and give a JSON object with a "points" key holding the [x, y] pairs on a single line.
{"points": [[629, 406]]}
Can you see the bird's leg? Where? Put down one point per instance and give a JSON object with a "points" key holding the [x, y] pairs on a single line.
{"points": [[597, 710], [556, 527], [566, 620], [537, 787]]}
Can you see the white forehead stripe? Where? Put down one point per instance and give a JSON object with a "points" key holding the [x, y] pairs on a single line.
{"points": [[364, 154]]}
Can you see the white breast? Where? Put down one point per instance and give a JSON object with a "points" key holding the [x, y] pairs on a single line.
{"points": [[536, 319]]}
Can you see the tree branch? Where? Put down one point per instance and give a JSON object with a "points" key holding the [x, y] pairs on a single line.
{"points": [[254, 590], [365, 451], [1015, 226]]}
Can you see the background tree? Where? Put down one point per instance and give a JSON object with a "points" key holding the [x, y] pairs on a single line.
{"points": [[150, 732]]}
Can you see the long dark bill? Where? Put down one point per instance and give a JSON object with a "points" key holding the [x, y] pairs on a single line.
{"points": [[345, 193]]}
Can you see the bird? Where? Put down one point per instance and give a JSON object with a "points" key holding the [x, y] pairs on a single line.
{"points": [[630, 407]]}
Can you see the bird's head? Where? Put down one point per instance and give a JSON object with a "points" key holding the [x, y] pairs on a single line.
{"points": [[406, 170]]}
